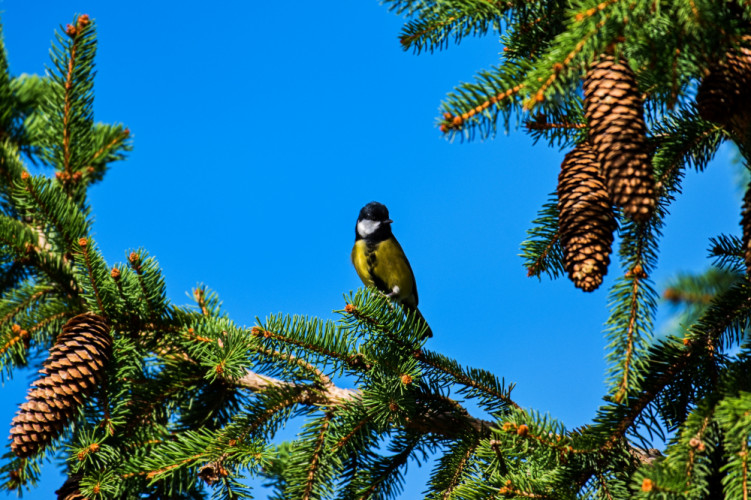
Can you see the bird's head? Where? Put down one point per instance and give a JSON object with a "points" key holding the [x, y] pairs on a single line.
{"points": [[373, 221]]}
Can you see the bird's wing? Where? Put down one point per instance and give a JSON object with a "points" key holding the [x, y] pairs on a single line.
{"points": [[393, 268]]}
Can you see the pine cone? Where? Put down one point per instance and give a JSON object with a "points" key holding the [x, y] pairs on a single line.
{"points": [[70, 490], [746, 225], [73, 368], [586, 221], [618, 135], [724, 95]]}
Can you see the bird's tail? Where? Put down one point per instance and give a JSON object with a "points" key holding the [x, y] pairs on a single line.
{"points": [[428, 332]]}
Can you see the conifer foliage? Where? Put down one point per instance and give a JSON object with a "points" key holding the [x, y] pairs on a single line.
{"points": [[141, 398]]}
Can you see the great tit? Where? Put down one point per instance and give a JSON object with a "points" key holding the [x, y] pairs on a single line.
{"points": [[379, 259]]}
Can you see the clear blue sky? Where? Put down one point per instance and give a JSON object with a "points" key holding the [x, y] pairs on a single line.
{"points": [[261, 128]]}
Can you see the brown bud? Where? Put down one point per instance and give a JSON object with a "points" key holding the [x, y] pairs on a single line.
{"points": [[115, 273], [70, 30], [25, 175], [522, 430], [83, 20], [406, 379], [349, 308], [134, 258], [15, 328], [83, 242], [637, 272]]}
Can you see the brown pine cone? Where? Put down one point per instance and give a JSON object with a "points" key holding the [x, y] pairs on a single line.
{"points": [[72, 370], [724, 95], [618, 135], [70, 490], [586, 221]]}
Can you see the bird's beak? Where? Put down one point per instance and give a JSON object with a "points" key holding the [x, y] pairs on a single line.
{"points": [[388, 221]]}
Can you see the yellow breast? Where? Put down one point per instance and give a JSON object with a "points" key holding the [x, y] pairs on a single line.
{"points": [[383, 265]]}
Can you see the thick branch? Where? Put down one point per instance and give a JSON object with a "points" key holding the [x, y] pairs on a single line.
{"points": [[447, 424], [330, 395]]}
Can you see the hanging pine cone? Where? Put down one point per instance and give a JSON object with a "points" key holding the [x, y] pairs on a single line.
{"points": [[618, 135], [585, 221], [73, 368], [70, 490], [724, 95], [746, 226]]}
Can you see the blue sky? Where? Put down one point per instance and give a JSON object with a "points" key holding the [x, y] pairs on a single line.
{"points": [[261, 128]]}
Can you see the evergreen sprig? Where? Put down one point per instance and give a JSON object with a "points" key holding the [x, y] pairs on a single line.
{"points": [[542, 250], [436, 28]]}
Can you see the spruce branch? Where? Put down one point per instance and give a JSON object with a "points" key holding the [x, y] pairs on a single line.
{"points": [[563, 67], [316, 458], [479, 382], [327, 396], [68, 140], [441, 423], [476, 106], [17, 335], [83, 244], [727, 251], [542, 249], [433, 29], [66, 220], [111, 144], [449, 425]]}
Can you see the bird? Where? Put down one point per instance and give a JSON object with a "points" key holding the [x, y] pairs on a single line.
{"points": [[380, 261]]}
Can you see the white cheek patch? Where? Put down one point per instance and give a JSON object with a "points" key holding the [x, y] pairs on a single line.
{"points": [[367, 227]]}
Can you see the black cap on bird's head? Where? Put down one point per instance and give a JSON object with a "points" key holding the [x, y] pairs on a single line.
{"points": [[373, 222], [374, 211]]}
